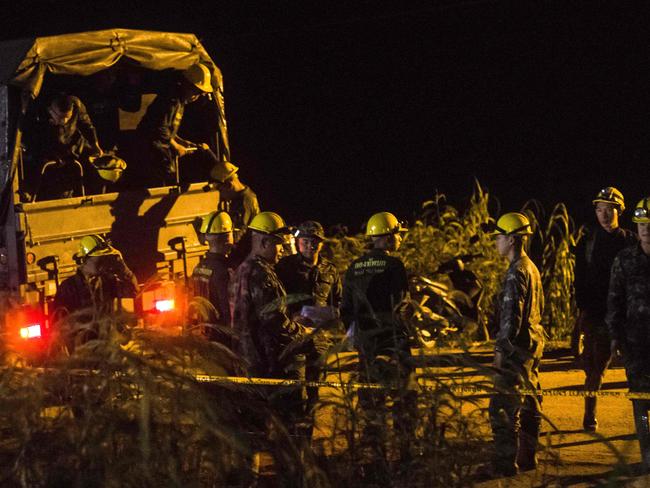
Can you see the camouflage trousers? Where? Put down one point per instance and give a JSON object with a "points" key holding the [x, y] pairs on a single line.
{"points": [[515, 419]]}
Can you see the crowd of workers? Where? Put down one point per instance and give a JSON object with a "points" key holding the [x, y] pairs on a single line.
{"points": [[248, 282]]}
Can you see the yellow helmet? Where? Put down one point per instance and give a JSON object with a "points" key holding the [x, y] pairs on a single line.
{"points": [[223, 171], [199, 76], [383, 223], [610, 194], [218, 222], [268, 223], [109, 167], [513, 223], [95, 245], [642, 212]]}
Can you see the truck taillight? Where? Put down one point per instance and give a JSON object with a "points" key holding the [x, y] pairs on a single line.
{"points": [[31, 331], [165, 305]]}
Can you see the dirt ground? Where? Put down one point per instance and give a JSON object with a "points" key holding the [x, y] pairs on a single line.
{"points": [[571, 457]]}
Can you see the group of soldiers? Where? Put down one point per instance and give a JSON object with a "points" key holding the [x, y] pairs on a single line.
{"points": [[277, 308]]}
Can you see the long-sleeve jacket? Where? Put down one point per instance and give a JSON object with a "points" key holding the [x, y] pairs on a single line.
{"points": [[595, 254], [241, 208], [318, 284], [62, 142], [628, 301], [210, 280], [260, 321], [520, 310]]}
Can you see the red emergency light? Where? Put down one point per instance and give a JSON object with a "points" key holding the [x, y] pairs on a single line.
{"points": [[32, 331], [165, 305]]}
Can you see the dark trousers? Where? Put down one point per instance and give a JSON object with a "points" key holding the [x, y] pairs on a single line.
{"points": [[396, 373], [597, 353]]}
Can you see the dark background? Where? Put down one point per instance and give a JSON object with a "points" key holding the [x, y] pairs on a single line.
{"points": [[336, 111]]}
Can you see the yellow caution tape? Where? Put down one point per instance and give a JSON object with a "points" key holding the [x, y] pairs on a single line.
{"points": [[242, 380]]}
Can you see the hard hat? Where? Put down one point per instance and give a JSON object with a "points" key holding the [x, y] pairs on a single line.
{"points": [[513, 223], [95, 245], [109, 167], [218, 222], [268, 223], [383, 223], [642, 212], [610, 194], [223, 171], [199, 76], [310, 228]]}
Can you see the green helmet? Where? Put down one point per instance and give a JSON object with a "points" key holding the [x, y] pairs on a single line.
{"points": [[383, 223], [218, 222], [512, 224], [269, 223], [611, 195], [642, 212], [310, 228], [95, 245]]}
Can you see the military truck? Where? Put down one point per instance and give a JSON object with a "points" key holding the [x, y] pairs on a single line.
{"points": [[116, 73]]}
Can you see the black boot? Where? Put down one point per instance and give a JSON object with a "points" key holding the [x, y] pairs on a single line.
{"points": [[589, 422], [640, 408]]}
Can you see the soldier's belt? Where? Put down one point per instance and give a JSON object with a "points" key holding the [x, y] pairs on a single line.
{"points": [[422, 385]]}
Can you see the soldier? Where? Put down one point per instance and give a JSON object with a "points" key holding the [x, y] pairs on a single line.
{"points": [[594, 256], [268, 339], [310, 280], [101, 278], [62, 141], [159, 127], [516, 419], [211, 276], [234, 197], [628, 319], [374, 287]]}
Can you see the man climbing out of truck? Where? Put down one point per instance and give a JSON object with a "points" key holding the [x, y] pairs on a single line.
{"points": [[158, 129], [61, 142]]}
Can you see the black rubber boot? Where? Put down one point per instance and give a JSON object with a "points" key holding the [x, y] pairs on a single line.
{"points": [[589, 422], [640, 408]]}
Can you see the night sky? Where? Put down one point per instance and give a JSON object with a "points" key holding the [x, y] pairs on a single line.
{"points": [[336, 111]]}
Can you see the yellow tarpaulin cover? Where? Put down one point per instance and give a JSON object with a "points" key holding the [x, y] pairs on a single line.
{"points": [[89, 52]]}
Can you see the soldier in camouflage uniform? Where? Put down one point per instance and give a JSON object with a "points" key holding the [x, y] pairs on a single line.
{"points": [[516, 419], [211, 276], [628, 319], [312, 280], [594, 256], [374, 287], [234, 197], [268, 340]]}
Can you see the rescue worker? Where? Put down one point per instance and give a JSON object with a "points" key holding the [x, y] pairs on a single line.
{"points": [[268, 339], [211, 276], [159, 126], [628, 319], [234, 197], [374, 287], [515, 419], [62, 141], [594, 256], [310, 280], [101, 278]]}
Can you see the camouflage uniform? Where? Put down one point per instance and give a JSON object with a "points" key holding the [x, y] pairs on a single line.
{"points": [[515, 419], [310, 285], [374, 286], [594, 256], [628, 320], [210, 280]]}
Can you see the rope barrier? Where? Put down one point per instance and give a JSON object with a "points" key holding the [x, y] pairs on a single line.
{"points": [[242, 380]]}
